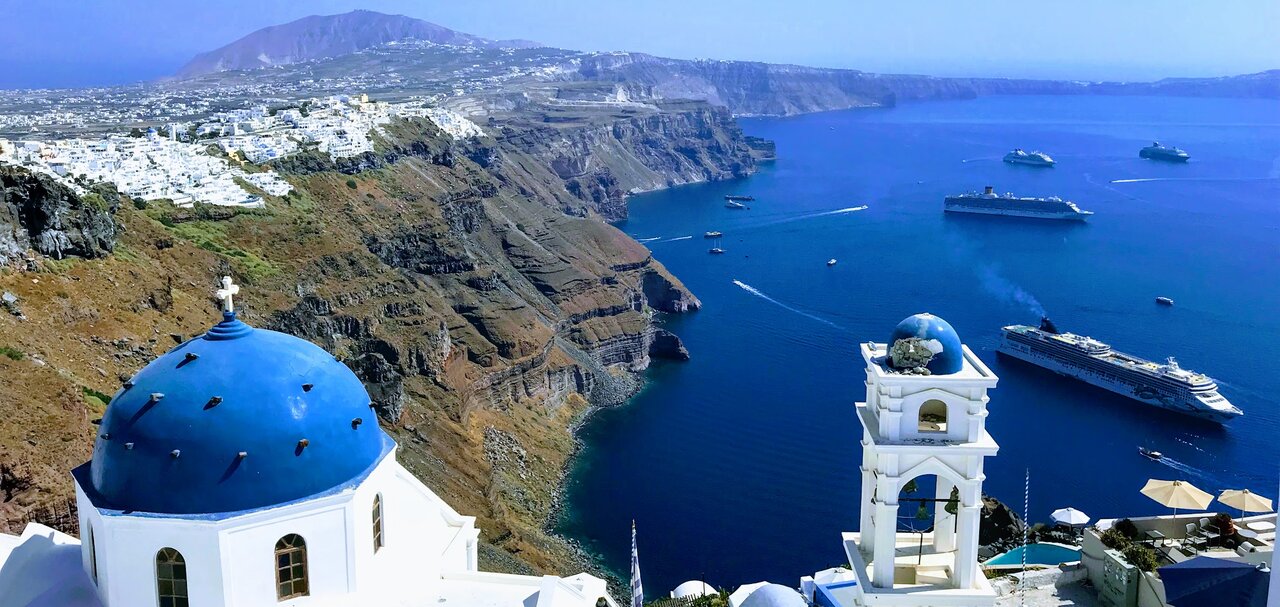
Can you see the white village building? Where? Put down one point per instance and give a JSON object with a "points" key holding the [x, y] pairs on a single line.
{"points": [[245, 467]]}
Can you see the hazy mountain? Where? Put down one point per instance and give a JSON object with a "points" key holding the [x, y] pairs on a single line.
{"points": [[317, 37]]}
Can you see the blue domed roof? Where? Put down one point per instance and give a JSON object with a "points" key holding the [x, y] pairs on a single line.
{"points": [[948, 357], [236, 419]]}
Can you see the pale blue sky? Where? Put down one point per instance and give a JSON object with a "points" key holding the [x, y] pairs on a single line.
{"points": [[81, 42]]}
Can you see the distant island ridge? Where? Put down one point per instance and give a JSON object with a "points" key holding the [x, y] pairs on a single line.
{"points": [[321, 36], [744, 87]]}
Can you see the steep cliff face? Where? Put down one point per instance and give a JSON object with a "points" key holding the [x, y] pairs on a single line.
{"points": [[41, 215], [474, 288], [751, 88], [599, 164]]}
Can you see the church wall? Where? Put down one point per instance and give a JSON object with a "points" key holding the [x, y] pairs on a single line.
{"points": [[424, 539], [249, 551], [126, 552], [423, 536]]}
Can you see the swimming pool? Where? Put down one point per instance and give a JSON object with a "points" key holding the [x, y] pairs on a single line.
{"points": [[1045, 553]]}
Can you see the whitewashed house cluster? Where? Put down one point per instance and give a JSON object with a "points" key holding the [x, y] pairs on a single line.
{"points": [[149, 167], [153, 167]]}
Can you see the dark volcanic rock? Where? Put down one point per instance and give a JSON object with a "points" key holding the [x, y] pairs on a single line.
{"points": [[667, 296], [1001, 528], [667, 345], [38, 213]]}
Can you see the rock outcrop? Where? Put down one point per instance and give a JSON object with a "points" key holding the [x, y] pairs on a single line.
{"points": [[1000, 528], [42, 215]]}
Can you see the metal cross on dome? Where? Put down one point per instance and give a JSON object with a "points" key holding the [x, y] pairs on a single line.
{"points": [[228, 289]]}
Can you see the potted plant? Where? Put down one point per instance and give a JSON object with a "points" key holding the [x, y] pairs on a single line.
{"points": [[1226, 527]]}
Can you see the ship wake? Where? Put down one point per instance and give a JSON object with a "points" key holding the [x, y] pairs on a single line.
{"points": [[844, 211], [758, 293], [1184, 468], [1148, 179]]}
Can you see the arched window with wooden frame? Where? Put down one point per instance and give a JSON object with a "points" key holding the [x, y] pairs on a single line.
{"points": [[291, 567], [171, 578], [378, 540]]}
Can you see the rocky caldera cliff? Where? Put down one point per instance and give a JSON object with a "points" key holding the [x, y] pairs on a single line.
{"points": [[752, 88], [474, 287], [638, 150]]}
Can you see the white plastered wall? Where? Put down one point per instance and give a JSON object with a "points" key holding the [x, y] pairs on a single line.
{"points": [[231, 561]]}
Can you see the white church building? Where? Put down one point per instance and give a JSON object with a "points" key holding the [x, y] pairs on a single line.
{"points": [[245, 467]]}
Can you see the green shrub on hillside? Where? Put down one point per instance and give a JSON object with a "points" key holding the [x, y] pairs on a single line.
{"points": [[351, 183], [211, 236], [12, 353], [96, 399], [95, 200]]}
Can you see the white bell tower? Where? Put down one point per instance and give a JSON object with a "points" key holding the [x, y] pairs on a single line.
{"points": [[925, 415]]}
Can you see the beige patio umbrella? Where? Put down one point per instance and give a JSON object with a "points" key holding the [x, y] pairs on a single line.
{"points": [[1177, 494], [1245, 501]]}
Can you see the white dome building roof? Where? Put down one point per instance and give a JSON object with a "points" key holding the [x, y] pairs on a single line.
{"points": [[693, 589], [769, 595]]}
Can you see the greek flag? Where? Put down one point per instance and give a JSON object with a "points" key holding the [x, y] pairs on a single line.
{"points": [[637, 591]]}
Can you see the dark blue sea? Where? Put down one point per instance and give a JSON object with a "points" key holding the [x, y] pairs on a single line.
{"points": [[741, 464]]}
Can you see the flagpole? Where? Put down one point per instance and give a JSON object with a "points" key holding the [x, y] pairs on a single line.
{"points": [[637, 589]]}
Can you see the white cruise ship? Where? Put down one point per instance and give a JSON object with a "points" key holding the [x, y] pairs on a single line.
{"points": [[1167, 385], [990, 203]]}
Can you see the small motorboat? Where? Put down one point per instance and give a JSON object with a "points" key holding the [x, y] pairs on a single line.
{"points": [[831, 262], [739, 197], [733, 204], [1150, 453], [712, 234], [716, 251], [1164, 301]]}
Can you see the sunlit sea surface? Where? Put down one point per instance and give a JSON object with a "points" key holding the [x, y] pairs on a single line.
{"points": [[740, 465]]}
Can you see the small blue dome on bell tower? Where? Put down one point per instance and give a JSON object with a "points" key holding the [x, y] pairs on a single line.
{"points": [[938, 337], [236, 419]]}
